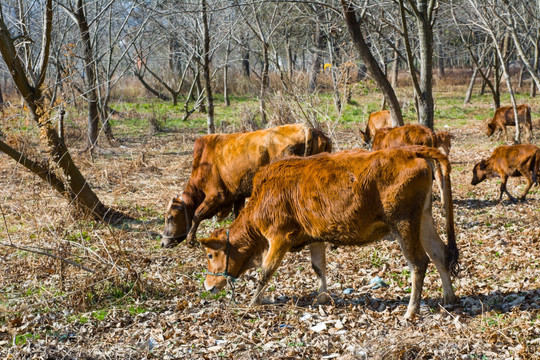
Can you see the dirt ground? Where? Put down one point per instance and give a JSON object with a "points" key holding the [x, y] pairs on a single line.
{"points": [[145, 302]]}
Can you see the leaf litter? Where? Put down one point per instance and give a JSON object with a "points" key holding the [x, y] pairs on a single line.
{"points": [[147, 303]]}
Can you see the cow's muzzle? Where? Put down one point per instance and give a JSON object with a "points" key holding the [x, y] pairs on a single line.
{"points": [[172, 241]]}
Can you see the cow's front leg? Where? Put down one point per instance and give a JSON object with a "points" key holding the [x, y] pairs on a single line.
{"points": [[271, 262], [318, 263], [209, 207]]}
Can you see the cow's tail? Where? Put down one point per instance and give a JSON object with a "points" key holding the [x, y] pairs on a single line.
{"points": [[444, 164]]}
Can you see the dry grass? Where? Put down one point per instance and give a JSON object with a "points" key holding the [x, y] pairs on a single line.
{"points": [[144, 302]]}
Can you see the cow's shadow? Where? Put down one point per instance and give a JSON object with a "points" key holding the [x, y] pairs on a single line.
{"points": [[478, 203], [472, 305]]}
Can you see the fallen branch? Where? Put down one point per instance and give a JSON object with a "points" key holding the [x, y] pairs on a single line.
{"points": [[18, 247]]}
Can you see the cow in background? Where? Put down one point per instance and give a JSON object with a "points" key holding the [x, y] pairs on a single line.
{"points": [[504, 116], [506, 161], [351, 197], [223, 170], [376, 120]]}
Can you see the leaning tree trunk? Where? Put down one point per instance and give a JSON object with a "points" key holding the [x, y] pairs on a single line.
{"points": [[369, 60]]}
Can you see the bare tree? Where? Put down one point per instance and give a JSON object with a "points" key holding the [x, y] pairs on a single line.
{"points": [[59, 170]]}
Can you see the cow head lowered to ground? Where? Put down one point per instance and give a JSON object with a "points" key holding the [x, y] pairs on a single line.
{"points": [[223, 170], [348, 198], [509, 161]]}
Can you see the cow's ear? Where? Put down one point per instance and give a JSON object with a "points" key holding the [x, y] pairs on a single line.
{"points": [[213, 243]]}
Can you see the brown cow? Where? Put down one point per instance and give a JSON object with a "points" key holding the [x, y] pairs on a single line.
{"points": [[509, 160], [377, 120], [351, 197], [223, 170], [504, 116]]}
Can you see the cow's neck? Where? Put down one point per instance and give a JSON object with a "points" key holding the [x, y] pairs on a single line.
{"points": [[250, 244], [192, 198]]}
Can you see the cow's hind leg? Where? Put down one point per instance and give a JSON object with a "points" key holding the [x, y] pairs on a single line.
{"points": [[438, 253], [524, 170], [271, 262], [409, 233], [504, 190], [318, 263]]}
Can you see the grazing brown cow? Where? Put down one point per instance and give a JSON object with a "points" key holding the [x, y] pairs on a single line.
{"points": [[377, 120], [509, 160], [504, 116], [223, 170], [351, 197]]}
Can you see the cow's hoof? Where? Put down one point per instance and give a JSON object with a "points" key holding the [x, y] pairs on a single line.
{"points": [[322, 298]]}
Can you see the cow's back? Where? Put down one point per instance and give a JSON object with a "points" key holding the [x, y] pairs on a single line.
{"points": [[231, 160], [351, 193], [411, 134]]}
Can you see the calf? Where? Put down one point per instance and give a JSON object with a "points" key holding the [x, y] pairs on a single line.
{"points": [[348, 198], [376, 120], [511, 160], [504, 116], [223, 170]]}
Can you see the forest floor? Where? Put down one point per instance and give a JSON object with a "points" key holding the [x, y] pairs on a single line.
{"points": [[144, 302]]}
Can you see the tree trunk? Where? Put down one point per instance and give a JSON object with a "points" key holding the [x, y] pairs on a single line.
{"points": [[245, 57], [206, 71], [425, 98], [265, 81], [226, 74], [471, 86], [395, 66], [373, 67], [90, 78], [318, 37]]}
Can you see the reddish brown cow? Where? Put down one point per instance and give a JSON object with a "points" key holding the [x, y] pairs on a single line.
{"points": [[504, 116], [348, 198], [506, 161], [223, 170], [377, 120]]}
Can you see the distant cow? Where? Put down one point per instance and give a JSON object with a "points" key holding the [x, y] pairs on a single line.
{"points": [[223, 170], [506, 161], [377, 120], [504, 116], [347, 198]]}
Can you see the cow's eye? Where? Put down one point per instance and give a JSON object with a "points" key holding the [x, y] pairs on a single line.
{"points": [[210, 256], [170, 218]]}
